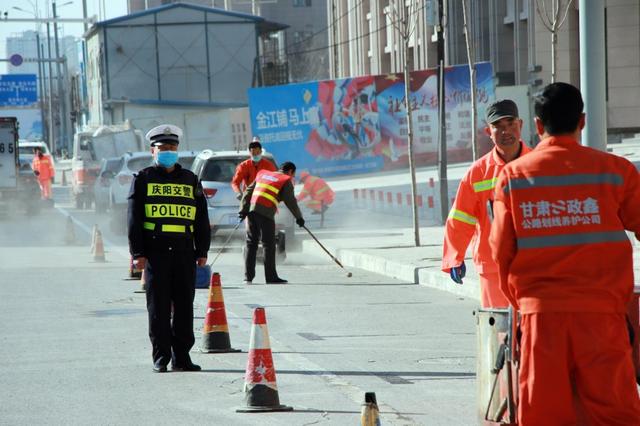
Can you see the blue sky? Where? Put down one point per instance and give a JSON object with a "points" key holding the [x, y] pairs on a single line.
{"points": [[74, 10]]}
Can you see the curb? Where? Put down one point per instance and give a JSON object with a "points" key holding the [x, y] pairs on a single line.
{"points": [[401, 271]]}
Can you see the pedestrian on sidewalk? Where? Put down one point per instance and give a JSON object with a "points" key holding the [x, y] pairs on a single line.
{"points": [[259, 205], [247, 171], [42, 166], [470, 216], [168, 235], [566, 263], [318, 191]]}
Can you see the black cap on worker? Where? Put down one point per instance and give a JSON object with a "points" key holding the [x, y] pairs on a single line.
{"points": [[501, 109]]}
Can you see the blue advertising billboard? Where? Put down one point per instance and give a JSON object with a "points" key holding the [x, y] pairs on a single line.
{"points": [[18, 90], [359, 125]]}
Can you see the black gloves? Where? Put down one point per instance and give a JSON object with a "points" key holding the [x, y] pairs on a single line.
{"points": [[242, 216], [37, 173], [238, 196], [300, 222]]}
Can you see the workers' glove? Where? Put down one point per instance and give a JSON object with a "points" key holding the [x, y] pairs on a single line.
{"points": [[300, 222], [37, 173], [242, 216], [458, 272], [238, 196]]}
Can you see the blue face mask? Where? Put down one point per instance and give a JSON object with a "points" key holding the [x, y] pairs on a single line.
{"points": [[256, 158], [167, 159]]}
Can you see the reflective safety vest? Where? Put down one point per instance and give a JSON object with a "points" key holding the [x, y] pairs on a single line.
{"points": [[169, 208], [316, 189], [44, 166], [267, 190], [558, 233], [469, 221]]}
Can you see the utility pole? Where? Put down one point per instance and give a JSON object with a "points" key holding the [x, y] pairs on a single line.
{"points": [[53, 140], [442, 134], [466, 16], [62, 107], [41, 87]]}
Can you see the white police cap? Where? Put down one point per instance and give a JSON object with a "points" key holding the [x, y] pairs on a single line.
{"points": [[164, 133]]}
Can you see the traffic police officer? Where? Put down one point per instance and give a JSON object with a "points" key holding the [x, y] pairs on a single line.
{"points": [[168, 235]]}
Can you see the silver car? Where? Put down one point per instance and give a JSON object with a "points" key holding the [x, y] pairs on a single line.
{"points": [[215, 169], [109, 167]]}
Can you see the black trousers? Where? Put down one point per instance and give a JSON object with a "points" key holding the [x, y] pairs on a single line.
{"points": [[260, 228], [170, 278]]}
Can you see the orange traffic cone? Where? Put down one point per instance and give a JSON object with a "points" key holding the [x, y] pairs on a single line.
{"points": [[369, 412], [98, 252], [215, 334], [134, 273], [93, 238], [261, 392], [143, 283], [70, 233]]}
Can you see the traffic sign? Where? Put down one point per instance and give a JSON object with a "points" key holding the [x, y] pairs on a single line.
{"points": [[18, 89], [16, 60]]}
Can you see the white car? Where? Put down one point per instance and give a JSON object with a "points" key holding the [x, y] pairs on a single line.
{"points": [[215, 169]]}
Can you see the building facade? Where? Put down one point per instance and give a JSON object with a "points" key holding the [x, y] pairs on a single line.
{"points": [[300, 51], [364, 39]]}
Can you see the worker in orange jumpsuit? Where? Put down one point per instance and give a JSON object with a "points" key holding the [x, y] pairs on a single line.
{"points": [[247, 170], [320, 195], [469, 219], [43, 169], [558, 236]]}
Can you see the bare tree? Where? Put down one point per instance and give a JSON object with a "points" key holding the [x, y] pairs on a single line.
{"points": [[553, 22], [472, 78], [405, 20]]}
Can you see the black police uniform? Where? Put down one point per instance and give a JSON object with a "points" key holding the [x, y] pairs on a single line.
{"points": [[169, 225]]}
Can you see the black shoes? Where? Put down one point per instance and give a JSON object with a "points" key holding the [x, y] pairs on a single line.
{"points": [[246, 281], [277, 281], [159, 367], [185, 367]]}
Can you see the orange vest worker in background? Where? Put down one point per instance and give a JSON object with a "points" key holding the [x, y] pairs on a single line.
{"points": [[469, 216], [247, 170], [43, 169], [565, 261], [320, 195]]}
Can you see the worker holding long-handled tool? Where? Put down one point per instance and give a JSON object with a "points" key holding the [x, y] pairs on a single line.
{"points": [[259, 205]]}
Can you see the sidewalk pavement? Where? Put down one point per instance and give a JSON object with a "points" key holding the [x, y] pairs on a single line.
{"points": [[393, 253]]}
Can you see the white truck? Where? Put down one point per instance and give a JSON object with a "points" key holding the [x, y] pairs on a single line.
{"points": [[91, 146], [18, 185]]}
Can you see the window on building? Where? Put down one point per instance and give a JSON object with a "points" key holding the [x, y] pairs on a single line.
{"points": [[301, 3]]}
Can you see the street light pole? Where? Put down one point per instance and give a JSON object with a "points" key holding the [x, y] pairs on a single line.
{"points": [[62, 103], [53, 142]]}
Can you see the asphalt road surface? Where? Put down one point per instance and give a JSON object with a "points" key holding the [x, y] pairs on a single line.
{"points": [[76, 350]]}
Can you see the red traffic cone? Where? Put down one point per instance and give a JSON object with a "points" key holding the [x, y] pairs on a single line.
{"points": [[215, 334], [93, 238], [143, 283], [261, 391], [70, 232], [98, 252]]}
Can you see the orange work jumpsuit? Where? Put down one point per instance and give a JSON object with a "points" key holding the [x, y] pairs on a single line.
{"points": [[246, 173], [565, 261], [469, 222], [44, 166], [318, 191]]}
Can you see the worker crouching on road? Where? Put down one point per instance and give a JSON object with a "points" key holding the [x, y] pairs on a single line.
{"points": [[469, 219], [247, 170], [320, 195], [259, 205], [566, 263], [168, 235], [43, 169]]}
